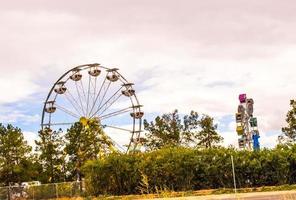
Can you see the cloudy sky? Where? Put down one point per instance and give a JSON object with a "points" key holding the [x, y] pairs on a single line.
{"points": [[189, 55]]}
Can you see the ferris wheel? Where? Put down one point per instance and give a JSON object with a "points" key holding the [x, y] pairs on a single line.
{"points": [[92, 91], [246, 124]]}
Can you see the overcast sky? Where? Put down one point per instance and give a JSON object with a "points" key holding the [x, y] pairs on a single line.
{"points": [[191, 55]]}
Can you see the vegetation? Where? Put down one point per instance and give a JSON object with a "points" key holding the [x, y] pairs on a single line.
{"points": [[182, 169], [208, 136], [85, 141], [51, 156], [290, 129], [170, 131], [16, 163]]}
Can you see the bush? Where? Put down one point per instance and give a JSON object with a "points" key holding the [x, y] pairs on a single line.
{"points": [[180, 169]]}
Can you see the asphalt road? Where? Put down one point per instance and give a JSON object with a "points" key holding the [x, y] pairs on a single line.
{"points": [[280, 195]]}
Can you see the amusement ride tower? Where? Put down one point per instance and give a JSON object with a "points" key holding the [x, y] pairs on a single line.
{"points": [[246, 124]]}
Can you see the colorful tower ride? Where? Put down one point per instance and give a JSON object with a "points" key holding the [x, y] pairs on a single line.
{"points": [[246, 124]]}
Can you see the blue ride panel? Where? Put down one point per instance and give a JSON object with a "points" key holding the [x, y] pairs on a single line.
{"points": [[256, 144]]}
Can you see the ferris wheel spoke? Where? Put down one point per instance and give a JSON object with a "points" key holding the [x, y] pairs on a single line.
{"points": [[79, 97], [60, 124], [116, 113], [65, 110], [97, 96], [111, 101], [88, 91], [76, 102], [73, 104], [83, 91], [95, 89], [118, 128], [105, 92]]}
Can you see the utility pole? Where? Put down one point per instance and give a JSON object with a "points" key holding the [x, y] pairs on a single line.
{"points": [[233, 174]]}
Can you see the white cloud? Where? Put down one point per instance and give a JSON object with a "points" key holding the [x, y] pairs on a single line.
{"points": [[198, 55], [16, 86], [30, 137], [16, 116]]}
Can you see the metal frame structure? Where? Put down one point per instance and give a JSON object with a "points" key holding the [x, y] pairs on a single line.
{"points": [[246, 124], [80, 93]]}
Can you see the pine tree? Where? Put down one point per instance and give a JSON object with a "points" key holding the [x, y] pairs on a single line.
{"points": [[208, 136], [51, 156], [14, 155], [290, 129]]}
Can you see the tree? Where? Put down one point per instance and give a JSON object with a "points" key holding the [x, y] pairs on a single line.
{"points": [[290, 130], [170, 130], [208, 136], [14, 155], [51, 155], [86, 140]]}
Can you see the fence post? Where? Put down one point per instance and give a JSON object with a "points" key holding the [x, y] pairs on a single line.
{"points": [[71, 189], [57, 192], [33, 192], [233, 174], [8, 192]]}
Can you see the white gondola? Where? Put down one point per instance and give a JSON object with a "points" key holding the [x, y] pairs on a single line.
{"points": [[94, 72], [50, 109], [60, 89], [128, 92], [76, 76], [137, 115], [113, 77]]}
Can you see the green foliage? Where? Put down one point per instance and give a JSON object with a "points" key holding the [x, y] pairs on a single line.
{"points": [[117, 174], [290, 129], [170, 131], [15, 162], [208, 136], [182, 169], [165, 131], [51, 156], [85, 142]]}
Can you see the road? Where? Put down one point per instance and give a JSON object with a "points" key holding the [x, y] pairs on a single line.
{"points": [[280, 195]]}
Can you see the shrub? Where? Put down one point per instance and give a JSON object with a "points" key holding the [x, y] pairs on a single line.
{"points": [[180, 169]]}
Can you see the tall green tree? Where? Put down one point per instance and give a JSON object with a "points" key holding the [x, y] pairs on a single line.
{"points": [[170, 130], [50, 147], [208, 136], [14, 155], [86, 140], [290, 130]]}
